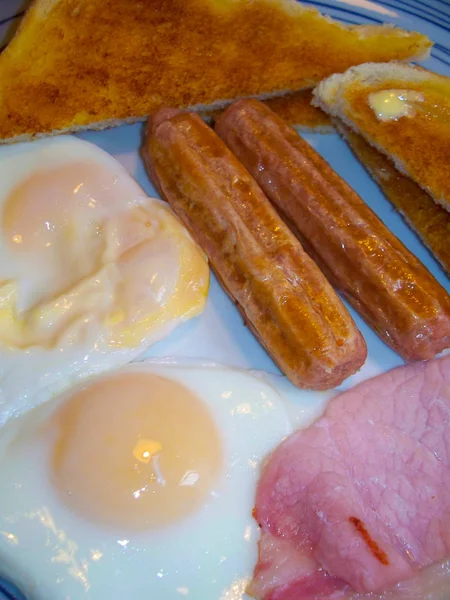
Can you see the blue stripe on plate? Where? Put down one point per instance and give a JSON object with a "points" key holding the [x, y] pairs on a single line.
{"points": [[442, 49], [12, 17], [9, 592], [430, 7], [414, 14], [441, 59], [428, 4], [441, 17], [442, 6], [337, 9], [444, 3], [347, 21]]}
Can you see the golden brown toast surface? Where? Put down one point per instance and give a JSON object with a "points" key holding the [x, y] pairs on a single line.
{"points": [[430, 221], [418, 144], [79, 63]]}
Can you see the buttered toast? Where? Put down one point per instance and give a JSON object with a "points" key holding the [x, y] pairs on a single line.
{"points": [[77, 64], [403, 111]]}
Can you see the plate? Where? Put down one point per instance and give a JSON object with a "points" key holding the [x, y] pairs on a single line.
{"points": [[219, 333]]}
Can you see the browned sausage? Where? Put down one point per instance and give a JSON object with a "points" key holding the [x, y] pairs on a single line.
{"points": [[385, 283], [284, 297]]}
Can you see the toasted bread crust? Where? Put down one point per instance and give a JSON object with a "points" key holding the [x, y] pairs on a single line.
{"points": [[419, 145], [89, 63]]}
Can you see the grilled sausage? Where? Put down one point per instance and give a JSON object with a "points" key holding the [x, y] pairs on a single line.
{"points": [[282, 294], [371, 268]]}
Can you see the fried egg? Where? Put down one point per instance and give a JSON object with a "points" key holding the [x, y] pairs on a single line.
{"points": [[92, 271], [140, 483]]}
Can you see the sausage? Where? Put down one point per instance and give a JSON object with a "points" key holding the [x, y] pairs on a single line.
{"points": [[364, 261], [284, 298]]}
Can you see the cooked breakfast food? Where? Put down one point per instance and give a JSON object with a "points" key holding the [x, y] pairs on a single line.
{"points": [[296, 109], [402, 110], [138, 484], [77, 64], [430, 221], [282, 294], [372, 269], [92, 271], [357, 506]]}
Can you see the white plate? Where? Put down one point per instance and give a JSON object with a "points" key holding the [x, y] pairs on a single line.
{"points": [[219, 334]]}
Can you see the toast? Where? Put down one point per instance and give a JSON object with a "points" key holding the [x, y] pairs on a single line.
{"points": [[92, 64], [430, 221], [413, 127]]}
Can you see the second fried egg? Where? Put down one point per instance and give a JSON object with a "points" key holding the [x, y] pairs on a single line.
{"points": [[92, 271], [138, 484]]}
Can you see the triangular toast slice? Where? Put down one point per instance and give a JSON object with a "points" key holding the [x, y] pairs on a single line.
{"points": [[77, 64], [403, 111]]}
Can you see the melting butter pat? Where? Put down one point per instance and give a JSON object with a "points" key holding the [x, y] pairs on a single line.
{"points": [[394, 104]]}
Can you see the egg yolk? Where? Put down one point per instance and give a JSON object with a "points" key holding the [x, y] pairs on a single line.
{"points": [[135, 451], [90, 251], [56, 217]]}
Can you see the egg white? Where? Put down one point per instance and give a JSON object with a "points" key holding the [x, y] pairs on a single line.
{"points": [[52, 553]]}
